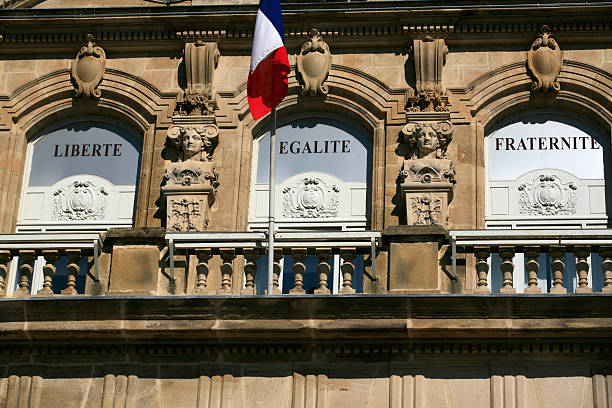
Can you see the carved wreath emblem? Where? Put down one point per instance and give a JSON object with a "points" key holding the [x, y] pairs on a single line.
{"points": [[80, 200], [313, 65], [310, 198], [428, 210], [547, 195], [544, 62], [185, 215], [88, 69]]}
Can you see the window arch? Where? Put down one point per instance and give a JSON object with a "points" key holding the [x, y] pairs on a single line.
{"points": [[80, 175], [323, 176], [545, 169]]}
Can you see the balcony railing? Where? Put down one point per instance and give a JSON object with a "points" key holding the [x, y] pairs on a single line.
{"points": [[536, 261]]}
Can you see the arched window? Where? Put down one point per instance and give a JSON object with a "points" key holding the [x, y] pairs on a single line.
{"points": [[322, 177], [546, 170], [80, 176]]}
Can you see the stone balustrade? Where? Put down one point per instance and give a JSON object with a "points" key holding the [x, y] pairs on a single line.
{"points": [[253, 245], [536, 261], [23, 255]]}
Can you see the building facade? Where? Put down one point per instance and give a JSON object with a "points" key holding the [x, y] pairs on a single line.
{"points": [[443, 206]]}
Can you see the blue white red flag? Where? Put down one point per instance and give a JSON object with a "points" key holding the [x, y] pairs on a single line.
{"points": [[268, 84]]}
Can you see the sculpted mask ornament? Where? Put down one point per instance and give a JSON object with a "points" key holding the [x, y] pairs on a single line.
{"points": [[544, 62], [313, 65], [88, 69], [428, 140]]}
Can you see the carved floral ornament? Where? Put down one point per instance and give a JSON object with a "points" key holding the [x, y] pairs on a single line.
{"points": [[429, 59], [80, 200], [544, 62], [313, 65], [88, 69], [201, 61], [310, 198], [547, 195]]}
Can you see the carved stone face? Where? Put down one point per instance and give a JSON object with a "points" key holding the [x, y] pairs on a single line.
{"points": [[427, 141], [192, 143]]}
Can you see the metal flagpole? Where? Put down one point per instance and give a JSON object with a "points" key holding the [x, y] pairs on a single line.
{"points": [[271, 199]]}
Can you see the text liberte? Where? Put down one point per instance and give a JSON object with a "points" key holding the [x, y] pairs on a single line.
{"points": [[546, 143], [317, 146], [88, 150]]}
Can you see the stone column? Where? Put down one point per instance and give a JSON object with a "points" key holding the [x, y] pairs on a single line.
{"points": [[276, 271], [73, 269], [227, 270], [606, 267], [299, 269], [532, 253], [507, 268], [51, 256], [482, 254], [202, 271], [347, 268], [557, 266], [25, 272], [250, 271], [323, 269], [5, 258], [582, 268]]}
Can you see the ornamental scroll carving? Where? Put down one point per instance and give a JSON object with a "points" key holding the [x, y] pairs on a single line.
{"points": [[547, 195], [80, 200], [311, 198], [427, 177], [191, 182], [201, 61], [429, 59], [313, 65], [544, 62], [88, 69]]}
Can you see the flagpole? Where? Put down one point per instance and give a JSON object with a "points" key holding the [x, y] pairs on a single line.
{"points": [[271, 200]]}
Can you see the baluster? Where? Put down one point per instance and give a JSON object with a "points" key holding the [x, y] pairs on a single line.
{"points": [[299, 269], [250, 271], [276, 271], [25, 272], [347, 268], [482, 253], [606, 267], [51, 256], [582, 268], [323, 269], [202, 270], [227, 270], [5, 257], [557, 266], [73, 269], [533, 266], [507, 268]]}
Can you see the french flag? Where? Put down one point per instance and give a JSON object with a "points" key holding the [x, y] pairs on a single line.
{"points": [[268, 84]]}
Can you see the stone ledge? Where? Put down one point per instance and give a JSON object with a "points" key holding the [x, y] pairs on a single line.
{"points": [[415, 233]]}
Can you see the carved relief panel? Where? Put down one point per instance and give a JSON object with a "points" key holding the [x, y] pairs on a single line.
{"points": [[313, 65], [311, 197], [88, 70]]}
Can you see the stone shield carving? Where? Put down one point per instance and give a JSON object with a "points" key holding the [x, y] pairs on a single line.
{"points": [[544, 62], [310, 198], [88, 69], [547, 195], [80, 200], [313, 65]]}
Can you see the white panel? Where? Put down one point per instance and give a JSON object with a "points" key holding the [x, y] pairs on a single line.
{"points": [[597, 199], [126, 205], [358, 202], [32, 208], [261, 203], [499, 200]]}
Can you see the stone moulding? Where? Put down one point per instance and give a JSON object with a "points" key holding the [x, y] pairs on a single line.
{"points": [[429, 58], [88, 69], [201, 60], [544, 62], [313, 65]]}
